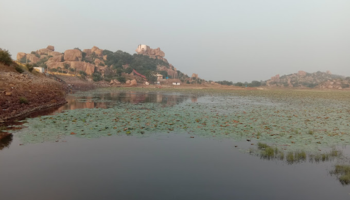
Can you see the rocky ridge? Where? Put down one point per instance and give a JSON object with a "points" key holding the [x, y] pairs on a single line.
{"points": [[302, 79]]}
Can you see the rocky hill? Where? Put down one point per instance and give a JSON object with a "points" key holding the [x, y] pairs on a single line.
{"points": [[98, 65], [302, 79]]}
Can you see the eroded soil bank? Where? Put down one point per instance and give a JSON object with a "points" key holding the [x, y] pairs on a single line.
{"points": [[23, 93]]}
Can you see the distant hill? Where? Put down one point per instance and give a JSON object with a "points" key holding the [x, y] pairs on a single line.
{"points": [[96, 64], [302, 79]]}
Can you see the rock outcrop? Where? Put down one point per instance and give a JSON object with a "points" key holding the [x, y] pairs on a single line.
{"points": [[301, 73], [133, 82], [56, 58], [97, 51], [88, 68], [32, 58], [21, 55], [43, 51], [194, 75], [72, 55], [50, 47]]}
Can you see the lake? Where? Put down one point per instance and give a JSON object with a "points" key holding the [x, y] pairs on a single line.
{"points": [[181, 144]]}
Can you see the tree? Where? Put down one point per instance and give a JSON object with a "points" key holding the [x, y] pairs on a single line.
{"points": [[150, 76], [121, 79], [239, 84], [5, 57], [66, 66]]}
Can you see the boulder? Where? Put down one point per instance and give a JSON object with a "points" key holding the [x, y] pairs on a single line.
{"points": [[97, 61], [87, 51], [21, 55], [88, 68], [50, 47], [301, 73], [275, 78], [43, 56], [105, 57], [127, 82], [194, 75], [32, 58], [57, 58], [54, 65], [72, 55], [54, 53], [133, 82], [43, 51], [97, 51]]}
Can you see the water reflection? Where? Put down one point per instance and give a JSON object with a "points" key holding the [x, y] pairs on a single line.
{"points": [[5, 140], [106, 100]]}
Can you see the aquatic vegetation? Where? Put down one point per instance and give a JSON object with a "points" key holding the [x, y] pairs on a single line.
{"points": [[288, 120], [343, 173]]}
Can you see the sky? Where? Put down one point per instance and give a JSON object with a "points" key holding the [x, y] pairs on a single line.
{"points": [[234, 40]]}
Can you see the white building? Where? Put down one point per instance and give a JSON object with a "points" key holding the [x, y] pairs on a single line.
{"points": [[39, 69]]}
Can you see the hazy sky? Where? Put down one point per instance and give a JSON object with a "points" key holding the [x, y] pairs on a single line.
{"points": [[235, 40]]}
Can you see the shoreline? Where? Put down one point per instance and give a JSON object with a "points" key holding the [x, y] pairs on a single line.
{"points": [[27, 112]]}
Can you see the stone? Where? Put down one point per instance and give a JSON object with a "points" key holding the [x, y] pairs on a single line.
{"points": [[301, 73], [43, 56], [88, 68], [97, 51], [21, 55], [105, 57], [133, 82], [43, 51], [97, 61], [50, 47], [127, 82], [194, 75], [54, 53], [8, 93], [57, 58], [32, 58], [87, 51], [72, 55], [275, 78]]}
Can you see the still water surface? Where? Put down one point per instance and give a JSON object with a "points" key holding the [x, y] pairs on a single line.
{"points": [[162, 165]]}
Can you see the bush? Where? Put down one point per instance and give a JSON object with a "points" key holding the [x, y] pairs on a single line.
{"points": [[23, 100], [29, 67], [96, 76], [82, 73], [5, 57], [19, 69], [121, 79]]}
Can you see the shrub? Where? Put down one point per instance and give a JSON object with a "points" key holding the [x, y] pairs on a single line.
{"points": [[23, 100], [29, 67], [121, 79], [82, 73], [19, 69], [5, 57], [96, 77]]}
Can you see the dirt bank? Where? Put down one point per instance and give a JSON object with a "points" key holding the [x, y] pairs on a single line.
{"points": [[23, 93]]}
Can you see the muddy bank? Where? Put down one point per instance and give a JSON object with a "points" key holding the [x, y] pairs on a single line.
{"points": [[23, 93]]}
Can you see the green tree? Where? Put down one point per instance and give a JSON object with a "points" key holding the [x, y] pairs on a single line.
{"points": [[5, 57]]}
